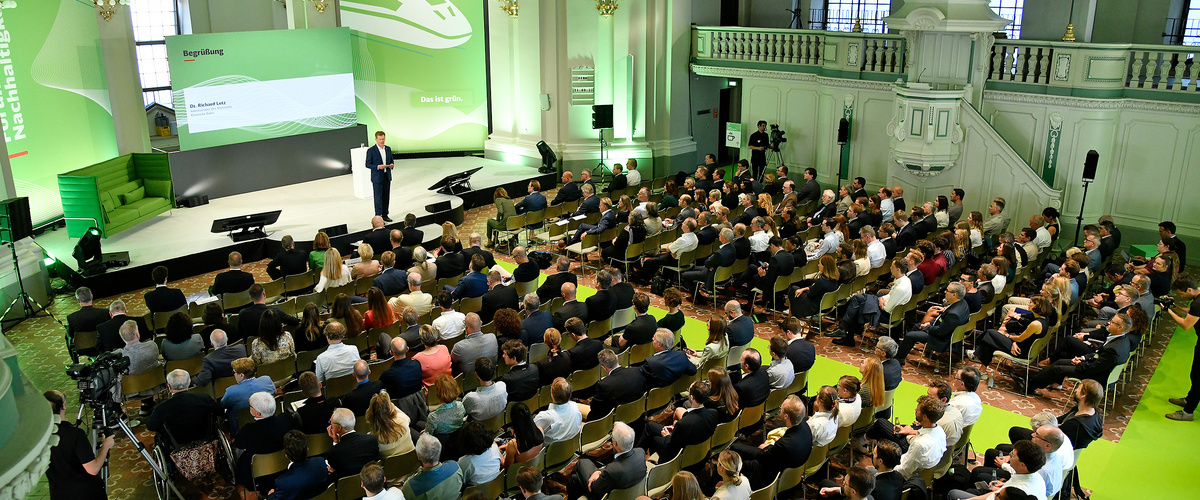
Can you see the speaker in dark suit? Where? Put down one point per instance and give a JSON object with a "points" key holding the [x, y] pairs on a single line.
{"points": [[499, 297], [350, 453], [109, 332], [359, 399], [622, 385], [165, 299], [380, 163]]}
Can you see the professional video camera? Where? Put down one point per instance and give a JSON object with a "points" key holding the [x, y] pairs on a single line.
{"points": [[1166, 301], [777, 137], [96, 381]]}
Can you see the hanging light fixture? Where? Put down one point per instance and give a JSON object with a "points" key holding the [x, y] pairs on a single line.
{"points": [[321, 5], [108, 7], [606, 7], [509, 7]]}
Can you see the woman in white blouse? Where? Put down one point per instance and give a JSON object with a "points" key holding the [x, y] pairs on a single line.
{"points": [[717, 345], [335, 273], [824, 422], [733, 485]]}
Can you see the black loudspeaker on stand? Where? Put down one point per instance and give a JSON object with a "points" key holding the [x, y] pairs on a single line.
{"points": [[1089, 176], [16, 225], [602, 118]]}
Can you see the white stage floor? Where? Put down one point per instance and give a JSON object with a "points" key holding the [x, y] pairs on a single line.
{"points": [[307, 207]]}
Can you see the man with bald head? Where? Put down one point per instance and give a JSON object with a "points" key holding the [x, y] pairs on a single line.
{"points": [[898, 198], [497, 297], [359, 398], [379, 237], [404, 376], [571, 308]]}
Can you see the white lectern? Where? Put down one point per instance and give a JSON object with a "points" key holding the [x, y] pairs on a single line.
{"points": [[362, 176]]}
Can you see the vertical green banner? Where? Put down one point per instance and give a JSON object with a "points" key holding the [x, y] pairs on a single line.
{"points": [[54, 104], [420, 72]]}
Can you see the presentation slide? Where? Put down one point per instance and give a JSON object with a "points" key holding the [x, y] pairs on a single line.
{"points": [[248, 86]]}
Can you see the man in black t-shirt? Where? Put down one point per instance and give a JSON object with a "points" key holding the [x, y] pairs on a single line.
{"points": [[1187, 290], [758, 143], [74, 468]]}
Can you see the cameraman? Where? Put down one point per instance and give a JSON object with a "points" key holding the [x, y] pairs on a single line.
{"points": [[1187, 290], [74, 472], [758, 143]]}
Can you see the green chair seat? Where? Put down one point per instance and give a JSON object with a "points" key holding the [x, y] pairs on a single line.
{"points": [[122, 216], [149, 206]]}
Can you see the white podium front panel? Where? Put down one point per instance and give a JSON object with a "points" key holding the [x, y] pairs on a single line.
{"points": [[362, 176]]}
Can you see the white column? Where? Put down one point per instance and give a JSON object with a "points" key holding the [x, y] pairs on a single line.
{"points": [[124, 83], [604, 60]]}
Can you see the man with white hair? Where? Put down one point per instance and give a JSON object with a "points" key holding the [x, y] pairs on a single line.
{"points": [[263, 436], [351, 450], [435, 480], [108, 333], [143, 357], [415, 298], [666, 365], [189, 415], [939, 323], [627, 469], [339, 358], [218, 362]]}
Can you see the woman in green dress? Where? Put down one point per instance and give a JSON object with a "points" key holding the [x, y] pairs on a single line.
{"points": [[316, 258], [504, 210]]}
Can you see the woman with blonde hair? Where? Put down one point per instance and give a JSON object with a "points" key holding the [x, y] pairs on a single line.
{"points": [[449, 229], [734, 486], [421, 264], [862, 263], [872, 391], [765, 208], [389, 425], [367, 266], [316, 258], [684, 486], [334, 272], [975, 221]]}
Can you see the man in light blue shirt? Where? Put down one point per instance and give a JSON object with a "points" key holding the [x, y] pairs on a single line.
{"points": [[339, 358], [562, 420], [829, 244], [886, 206]]}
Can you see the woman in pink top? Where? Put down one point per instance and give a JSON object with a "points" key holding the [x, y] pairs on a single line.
{"points": [[435, 359], [379, 313]]}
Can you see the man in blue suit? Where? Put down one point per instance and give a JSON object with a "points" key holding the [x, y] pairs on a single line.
{"points": [[391, 281], [532, 202], [590, 203], [379, 161], [607, 219], [474, 284], [536, 321], [305, 477], [666, 366], [936, 331]]}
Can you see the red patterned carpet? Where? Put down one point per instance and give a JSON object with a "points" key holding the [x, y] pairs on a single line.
{"points": [[43, 358]]}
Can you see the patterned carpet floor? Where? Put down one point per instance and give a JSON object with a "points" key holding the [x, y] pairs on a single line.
{"points": [[43, 358]]}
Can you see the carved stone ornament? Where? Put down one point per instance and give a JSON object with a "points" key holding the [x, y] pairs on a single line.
{"points": [[1062, 67]]}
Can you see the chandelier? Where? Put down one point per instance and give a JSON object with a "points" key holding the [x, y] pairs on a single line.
{"points": [[509, 7], [321, 5], [606, 7], [108, 7]]}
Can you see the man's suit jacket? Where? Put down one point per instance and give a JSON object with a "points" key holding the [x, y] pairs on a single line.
{"points": [[313, 417], [348, 457], [499, 297], [412, 236], [724, 256], [109, 332], [403, 378], [802, 354], [165, 299], [823, 212], [889, 248], [250, 317], [906, 236], [618, 182], [746, 216], [943, 326], [888, 486], [450, 264], [534, 326], [521, 382], [855, 225], [607, 220], [1100, 365], [706, 235], [404, 259], [261, 437], [532, 202], [665, 367], [640, 330], [526, 271], [601, 305], [412, 337], [624, 293], [380, 240], [552, 287], [696, 426], [987, 292], [217, 364], [358, 399], [589, 205], [374, 160], [741, 248], [231, 281], [585, 354], [392, 281], [572, 309], [810, 191], [917, 280], [301, 480], [287, 263], [86, 319], [622, 473], [927, 226], [474, 284], [567, 192], [740, 331], [781, 264], [898, 203], [488, 259], [187, 414], [753, 388], [623, 385], [789, 451]]}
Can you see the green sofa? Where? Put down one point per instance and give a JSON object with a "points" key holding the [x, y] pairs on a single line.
{"points": [[119, 193]]}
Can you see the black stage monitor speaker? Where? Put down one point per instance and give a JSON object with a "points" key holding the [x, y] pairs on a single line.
{"points": [[15, 219], [440, 206], [1089, 165], [335, 231], [843, 131], [602, 116]]}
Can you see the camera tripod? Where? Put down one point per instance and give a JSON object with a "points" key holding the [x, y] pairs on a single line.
{"points": [[774, 158], [104, 416]]}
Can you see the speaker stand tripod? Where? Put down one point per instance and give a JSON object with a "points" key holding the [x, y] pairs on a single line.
{"points": [[1079, 219], [29, 307]]}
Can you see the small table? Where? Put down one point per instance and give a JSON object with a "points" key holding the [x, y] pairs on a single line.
{"points": [[1146, 251]]}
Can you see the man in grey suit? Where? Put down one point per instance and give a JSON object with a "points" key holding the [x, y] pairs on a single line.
{"points": [[474, 345], [218, 363], [627, 469], [529, 480]]}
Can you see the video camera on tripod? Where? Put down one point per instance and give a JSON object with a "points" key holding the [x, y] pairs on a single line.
{"points": [[777, 138], [96, 383]]}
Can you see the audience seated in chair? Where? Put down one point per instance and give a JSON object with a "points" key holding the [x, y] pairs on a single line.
{"points": [[163, 298], [234, 280], [435, 480]]}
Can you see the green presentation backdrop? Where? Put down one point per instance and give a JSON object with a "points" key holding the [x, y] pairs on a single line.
{"points": [[419, 72], [54, 107], [254, 78]]}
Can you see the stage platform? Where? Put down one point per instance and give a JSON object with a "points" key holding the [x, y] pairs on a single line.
{"points": [[181, 240]]}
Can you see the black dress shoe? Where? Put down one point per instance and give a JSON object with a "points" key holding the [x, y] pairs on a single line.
{"points": [[387, 219], [847, 341]]}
